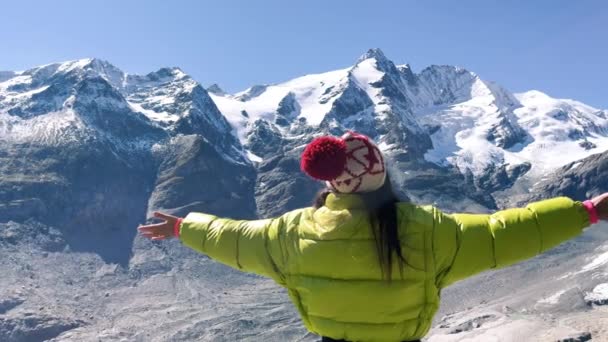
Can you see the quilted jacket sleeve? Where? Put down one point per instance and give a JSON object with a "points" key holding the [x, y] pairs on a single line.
{"points": [[249, 246], [466, 244]]}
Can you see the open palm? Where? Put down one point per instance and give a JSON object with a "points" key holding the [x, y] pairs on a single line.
{"points": [[601, 205], [159, 231]]}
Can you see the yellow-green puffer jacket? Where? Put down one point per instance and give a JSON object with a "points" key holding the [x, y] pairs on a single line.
{"points": [[326, 258]]}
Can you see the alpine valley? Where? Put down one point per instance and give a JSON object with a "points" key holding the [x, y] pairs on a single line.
{"points": [[88, 152]]}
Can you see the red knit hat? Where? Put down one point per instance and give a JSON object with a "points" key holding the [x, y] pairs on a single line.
{"points": [[352, 163]]}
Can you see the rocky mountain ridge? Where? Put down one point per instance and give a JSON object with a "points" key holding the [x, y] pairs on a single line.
{"points": [[87, 151]]}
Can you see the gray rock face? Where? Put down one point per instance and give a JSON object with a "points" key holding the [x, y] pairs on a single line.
{"points": [[265, 139], [29, 232], [91, 193], [447, 188], [10, 303], [579, 337], [103, 110], [444, 84], [471, 324], [506, 133], [34, 327], [192, 176], [579, 180], [96, 177], [216, 89], [501, 177], [352, 102], [281, 186], [288, 110], [251, 93]]}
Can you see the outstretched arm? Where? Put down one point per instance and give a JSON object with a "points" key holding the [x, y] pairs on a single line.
{"points": [[466, 244], [249, 246]]}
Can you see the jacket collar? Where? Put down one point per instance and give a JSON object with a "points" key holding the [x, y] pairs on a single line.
{"points": [[337, 201]]}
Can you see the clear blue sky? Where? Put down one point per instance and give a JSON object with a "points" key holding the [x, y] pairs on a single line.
{"points": [[560, 47]]}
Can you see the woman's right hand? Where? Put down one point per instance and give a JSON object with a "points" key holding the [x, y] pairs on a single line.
{"points": [[160, 231], [601, 206]]}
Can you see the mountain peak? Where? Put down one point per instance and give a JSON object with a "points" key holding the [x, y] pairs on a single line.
{"points": [[534, 94], [447, 69], [95, 64], [162, 75], [251, 92], [404, 67], [216, 89], [376, 58], [375, 53], [172, 72]]}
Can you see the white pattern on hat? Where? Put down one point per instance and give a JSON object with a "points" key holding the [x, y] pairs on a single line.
{"points": [[364, 170]]}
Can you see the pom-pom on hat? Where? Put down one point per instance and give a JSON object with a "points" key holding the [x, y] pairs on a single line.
{"points": [[352, 163], [324, 158]]}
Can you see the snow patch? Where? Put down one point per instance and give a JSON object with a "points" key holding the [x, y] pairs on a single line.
{"points": [[595, 263], [164, 117], [599, 261], [599, 294], [553, 299], [383, 146], [48, 129], [253, 157]]}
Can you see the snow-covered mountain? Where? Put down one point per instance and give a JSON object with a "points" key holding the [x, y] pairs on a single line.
{"points": [[61, 102], [473, 124], [445, 115], [87, 151], [369, 97], [82, 142]]}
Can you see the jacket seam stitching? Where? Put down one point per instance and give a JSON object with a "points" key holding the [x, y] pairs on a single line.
{"points": [[274, 265], [238, 237], [540, 233], [207, 233], [458, 233], [502, 223]]}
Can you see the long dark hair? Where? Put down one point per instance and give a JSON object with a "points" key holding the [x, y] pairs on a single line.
{"points": [[382, 207]]}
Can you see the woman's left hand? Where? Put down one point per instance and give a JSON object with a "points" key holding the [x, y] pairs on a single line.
{"points": [[159, 231], [601, 205]]}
